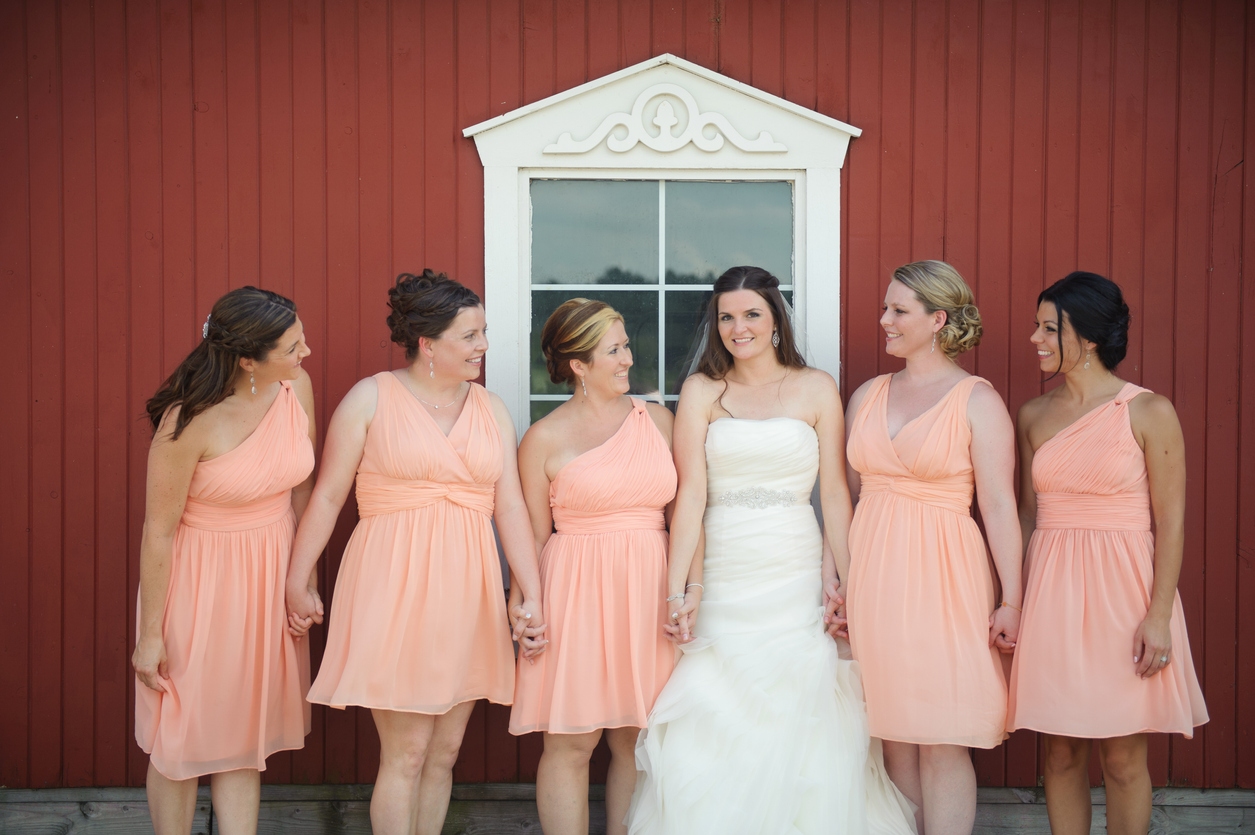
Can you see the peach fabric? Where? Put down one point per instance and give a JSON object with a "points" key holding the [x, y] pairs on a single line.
{"points": [[920, 590], [237, 678], [1090, 572], [418, 617], [604, 576]]}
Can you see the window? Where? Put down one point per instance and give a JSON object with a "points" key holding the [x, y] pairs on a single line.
{"points": [[651, 249]]}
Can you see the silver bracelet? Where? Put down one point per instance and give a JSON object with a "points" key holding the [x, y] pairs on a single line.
{"points": [[690, 585], [675, 597]]}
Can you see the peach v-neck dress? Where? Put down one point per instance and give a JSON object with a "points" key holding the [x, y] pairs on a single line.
{"points": [[921, 590], [604, 575], [418, 616], [1091, 568], [236, 689]]}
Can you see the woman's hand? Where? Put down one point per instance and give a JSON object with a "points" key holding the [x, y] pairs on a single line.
{"points": [[304, 608], [527, 624], [683, 617], [151, 666], [834, 610], [1152, 645], [1004, 628]]}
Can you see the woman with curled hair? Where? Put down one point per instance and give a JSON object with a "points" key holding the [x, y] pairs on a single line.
{"points": [[924, 622], [1103, 652], [220, 682], [419, 628], [599, 480]]}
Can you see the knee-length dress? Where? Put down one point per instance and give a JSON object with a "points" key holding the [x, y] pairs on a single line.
{"points": [[1091, 568], [418, 616], [920, 590], [604, 576], [237, 678]]}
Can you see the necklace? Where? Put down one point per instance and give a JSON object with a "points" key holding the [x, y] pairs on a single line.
{"points": [[455, 399]]}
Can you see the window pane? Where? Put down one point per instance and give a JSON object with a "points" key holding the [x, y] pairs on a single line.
{"points": [[540, 408], [640, 314], [685, 312], [714, 226], [594, 232]]}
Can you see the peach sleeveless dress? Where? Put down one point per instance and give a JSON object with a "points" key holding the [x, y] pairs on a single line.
{"points": [[237, 678], [604, 575], [418, 616], [1090, 572], [920, 590]]}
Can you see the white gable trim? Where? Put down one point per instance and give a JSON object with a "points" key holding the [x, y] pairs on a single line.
{"points": [[665, 118]]}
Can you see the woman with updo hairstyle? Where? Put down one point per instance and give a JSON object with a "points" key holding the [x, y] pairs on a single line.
{"points": [[599, 480], [924, 622], [419, 629], [1103, 652], [220, 684]]}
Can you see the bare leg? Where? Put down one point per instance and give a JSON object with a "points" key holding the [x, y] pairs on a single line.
{"points": [[949, 783], [403, 740], [1127, 778], [562, 783], [237, 799], [436, 783], [1067, 784], [621, 779], [171, 803], [902, 764]]}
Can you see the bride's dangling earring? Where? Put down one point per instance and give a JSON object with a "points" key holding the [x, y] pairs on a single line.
{"points": [[775, 338]]}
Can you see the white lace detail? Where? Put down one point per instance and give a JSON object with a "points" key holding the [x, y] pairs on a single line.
{"points": [[759, 498]]}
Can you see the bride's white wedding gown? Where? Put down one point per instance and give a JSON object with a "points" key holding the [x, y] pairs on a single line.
{"points": [[761, 728]]}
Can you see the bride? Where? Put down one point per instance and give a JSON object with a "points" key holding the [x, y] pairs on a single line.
{"points": [[761, 728]]}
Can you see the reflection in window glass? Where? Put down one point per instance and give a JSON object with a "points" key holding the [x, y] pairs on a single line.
{"points": [[640, 319], [714, 226], [594, 232]]}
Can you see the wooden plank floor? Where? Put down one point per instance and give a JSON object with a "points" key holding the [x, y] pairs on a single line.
{"points": [[500, 808]]}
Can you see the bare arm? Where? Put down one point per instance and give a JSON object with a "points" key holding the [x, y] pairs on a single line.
{"points": [[1028, 495], [834, 491], [689, 449], [171, 465], [853, 480], [304, 389], [1157, 429], [346, 441], [993, 465]]}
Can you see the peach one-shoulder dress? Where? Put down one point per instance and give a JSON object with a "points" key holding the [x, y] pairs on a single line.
{"points": [[1091, 568], [604, 576], [418, 616], [237, 678], [920, 590]]}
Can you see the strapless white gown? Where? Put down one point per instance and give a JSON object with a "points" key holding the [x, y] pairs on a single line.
{"points": [[761, 727]]}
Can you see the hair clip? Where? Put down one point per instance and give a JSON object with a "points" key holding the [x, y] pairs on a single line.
{"points": [[204, 331]]}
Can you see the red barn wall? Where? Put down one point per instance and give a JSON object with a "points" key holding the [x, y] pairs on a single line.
{"points": [[159, 152]]}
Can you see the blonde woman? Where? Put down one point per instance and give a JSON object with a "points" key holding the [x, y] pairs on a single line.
{"points": [[924, 622]]}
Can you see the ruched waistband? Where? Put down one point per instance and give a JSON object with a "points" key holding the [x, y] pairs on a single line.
{"points": [[378, 494], [570, 521], [1089, 511], [215, 517], [953, 495]]}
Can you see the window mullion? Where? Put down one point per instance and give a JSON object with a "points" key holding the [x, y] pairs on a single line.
{"points": [[662, 288]]}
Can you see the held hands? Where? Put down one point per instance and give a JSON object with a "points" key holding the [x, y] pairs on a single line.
{"points": [[1004, 628], [527, 624], [682, 616], [1152, 646], [151, 667], [834, 610], [304, 609]]}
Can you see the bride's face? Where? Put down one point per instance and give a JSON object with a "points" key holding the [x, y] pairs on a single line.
{"points": [[745, 324], [909, 328]]}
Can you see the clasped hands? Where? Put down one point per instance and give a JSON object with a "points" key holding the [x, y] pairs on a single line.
{"points": [[682, 616]]}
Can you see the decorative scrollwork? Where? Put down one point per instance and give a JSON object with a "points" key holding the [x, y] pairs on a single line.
{"points": [[665, 119]]}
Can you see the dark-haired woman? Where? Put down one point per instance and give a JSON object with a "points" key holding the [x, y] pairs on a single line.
{"points": [[1102, 653], [419, 629], [599, 469], [923, 618], [760, 728], [221, 683]]}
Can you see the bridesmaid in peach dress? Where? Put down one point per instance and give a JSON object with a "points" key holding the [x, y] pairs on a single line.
{"points": [[924, 622], [1103, 653], [599, 468], [220, 682], [419, 630]]}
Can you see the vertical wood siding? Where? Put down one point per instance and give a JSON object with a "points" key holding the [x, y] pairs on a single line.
{"points": [[156, 153]]}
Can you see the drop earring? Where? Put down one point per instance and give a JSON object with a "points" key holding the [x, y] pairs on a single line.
{"points": [[584, 387], [934, 348], [431, 369], [775, 339], [1087, 358], [252, 384]]}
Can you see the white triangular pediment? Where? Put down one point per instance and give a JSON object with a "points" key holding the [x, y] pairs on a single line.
{"points": [[663, 113]]}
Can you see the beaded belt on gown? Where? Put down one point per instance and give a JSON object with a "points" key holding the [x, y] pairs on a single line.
{"points": [[758, 498]]}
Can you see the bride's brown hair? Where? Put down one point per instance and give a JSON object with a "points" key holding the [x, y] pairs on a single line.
{"points": [[716, 360]]}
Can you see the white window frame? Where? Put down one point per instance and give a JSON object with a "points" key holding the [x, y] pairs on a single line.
{"points": [[793, 144]]}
